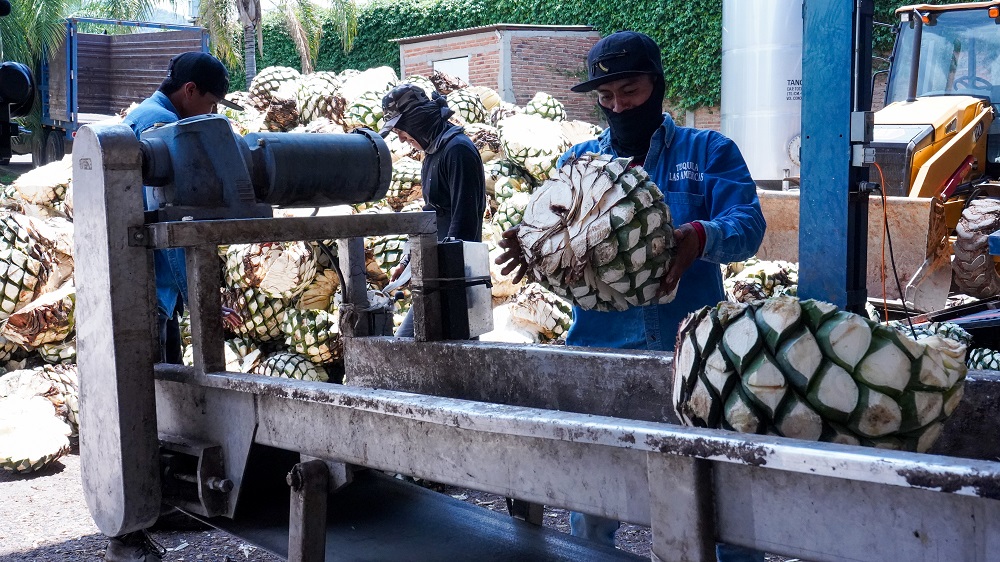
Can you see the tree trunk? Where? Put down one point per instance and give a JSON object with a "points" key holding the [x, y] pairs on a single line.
{"points": [[249, 53]]}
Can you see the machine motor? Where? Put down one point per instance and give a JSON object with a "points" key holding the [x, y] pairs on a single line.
{"points": [[200, 169]]}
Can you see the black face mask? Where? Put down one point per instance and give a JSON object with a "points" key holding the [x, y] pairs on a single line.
{"points": [[631, 130], [425, 122]]}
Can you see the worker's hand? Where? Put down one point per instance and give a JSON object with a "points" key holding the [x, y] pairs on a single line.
{"points": [[512, 255], [398, 270], [230, 318], [688, 250]]}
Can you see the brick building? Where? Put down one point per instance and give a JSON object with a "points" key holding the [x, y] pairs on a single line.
{"points": [[515, 60]]}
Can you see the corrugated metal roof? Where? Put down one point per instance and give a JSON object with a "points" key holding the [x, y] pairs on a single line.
{"points": [[494, 27]]}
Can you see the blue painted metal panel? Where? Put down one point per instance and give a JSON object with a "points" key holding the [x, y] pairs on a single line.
{"points": [[995, 244], [827, 51], [71, 66]]}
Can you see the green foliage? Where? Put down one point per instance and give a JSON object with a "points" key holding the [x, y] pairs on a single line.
{"points": [[689, 33]]}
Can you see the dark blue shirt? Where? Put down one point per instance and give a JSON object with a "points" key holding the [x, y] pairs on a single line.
{"points": [[703, 178], [169, 266]]}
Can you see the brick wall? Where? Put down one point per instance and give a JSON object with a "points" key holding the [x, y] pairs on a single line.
{"points": [[552, 62], [483, 50], [705, 118]]}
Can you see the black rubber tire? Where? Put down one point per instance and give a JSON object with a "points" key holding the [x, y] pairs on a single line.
{"points": [[38, 149], [55, 148], [975, 269]]}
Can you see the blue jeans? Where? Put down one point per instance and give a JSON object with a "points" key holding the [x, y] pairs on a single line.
{"points": [[602, 530], [170, 337], [405, 329]]}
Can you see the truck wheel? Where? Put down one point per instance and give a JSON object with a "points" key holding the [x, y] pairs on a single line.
{"points": [[38, 149], [975, 269], [55, 148]]}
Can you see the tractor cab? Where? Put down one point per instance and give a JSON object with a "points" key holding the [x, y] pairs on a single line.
{"points": [[959, 51], [948, 51]]}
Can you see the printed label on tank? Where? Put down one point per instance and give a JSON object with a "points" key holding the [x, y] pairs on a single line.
{"points": [[793, 90]]}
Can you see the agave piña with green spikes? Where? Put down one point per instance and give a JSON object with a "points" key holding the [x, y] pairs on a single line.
{"points": [[806, 369], [599, 234]]}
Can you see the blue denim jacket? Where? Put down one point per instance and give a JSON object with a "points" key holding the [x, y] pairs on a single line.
{"points": [[171, 271], [703, 178]]}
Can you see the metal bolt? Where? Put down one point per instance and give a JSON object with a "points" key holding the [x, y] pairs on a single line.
{"points": [[223, 485], [139, 236], [294, 478]]}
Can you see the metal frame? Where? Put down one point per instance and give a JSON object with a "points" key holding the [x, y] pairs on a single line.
{"points": [[781, 495], [691, 486]]}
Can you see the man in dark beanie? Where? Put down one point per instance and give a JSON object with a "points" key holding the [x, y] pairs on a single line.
{"points": [[451, 176], [712, 199]]}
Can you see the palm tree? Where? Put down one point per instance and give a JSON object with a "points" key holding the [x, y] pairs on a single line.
{"points": [[302, 18], [249, 11]]}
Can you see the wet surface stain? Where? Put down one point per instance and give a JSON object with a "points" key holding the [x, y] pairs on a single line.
{"points": [[984, 486], [753, 455]]}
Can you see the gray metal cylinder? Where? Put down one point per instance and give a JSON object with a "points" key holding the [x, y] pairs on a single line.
{"points": [[313, 170]]}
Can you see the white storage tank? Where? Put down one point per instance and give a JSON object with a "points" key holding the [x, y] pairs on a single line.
{"points": [[762, 84]]}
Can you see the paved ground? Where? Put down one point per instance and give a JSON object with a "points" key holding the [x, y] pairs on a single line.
{"points": [[18, 165], [43, 517]]}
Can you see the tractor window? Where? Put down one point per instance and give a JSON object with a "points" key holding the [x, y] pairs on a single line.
{"points": [[959, 54]]}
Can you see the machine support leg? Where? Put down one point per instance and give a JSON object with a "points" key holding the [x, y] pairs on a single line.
{"points": [[526, 511], [351, 254], [681, 508], [204, 272], [307, 512], [426, 301]]}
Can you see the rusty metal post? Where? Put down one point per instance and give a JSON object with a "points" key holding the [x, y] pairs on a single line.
{"points": [[351, 254], [426, 301], [307, 512], [526, 511], [204, 275], [681, 508]]}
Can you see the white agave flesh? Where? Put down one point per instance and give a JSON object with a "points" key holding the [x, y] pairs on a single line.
{"points": [[836, 390], [699, 405], [800, 356], [801, 422], [931, 371], [880, 415], [763, 380], [926, 406], [846, 338], [739, 415], [740, 339], [886, 367], [928, 437], [717, 370], [779, 315]]}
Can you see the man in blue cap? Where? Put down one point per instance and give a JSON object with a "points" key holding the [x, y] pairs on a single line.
{"points": [[712, 198], [451, 175]]}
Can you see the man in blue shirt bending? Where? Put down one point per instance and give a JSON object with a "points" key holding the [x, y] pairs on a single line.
{"points": [[196, 84], [712, 198]]}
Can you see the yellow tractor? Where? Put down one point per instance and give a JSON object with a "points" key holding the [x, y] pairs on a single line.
{"points": [[936, 153]]}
